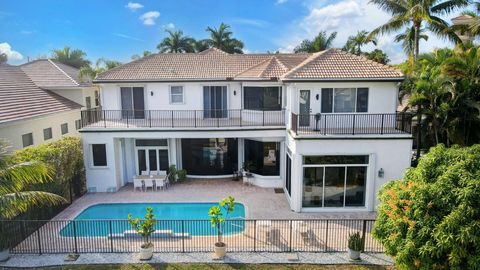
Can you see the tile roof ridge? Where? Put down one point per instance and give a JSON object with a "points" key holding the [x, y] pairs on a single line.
{"points": [[62, 71], [309, 59], [213, 49], [254, 66], [127, 64], [271, 62]]}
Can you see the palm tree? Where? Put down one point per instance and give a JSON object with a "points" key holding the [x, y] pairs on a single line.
{"points": [[475, 26], [355, 43], [176, 42], [74, 58], [221, 38], [3, 58], [378, 56], [319, 43], [418, 14], [408, 39], [145, 53], [15, 179], [101, 65], [201, 45]]}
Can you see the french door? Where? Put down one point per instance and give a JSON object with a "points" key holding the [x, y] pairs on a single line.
{"points": [[305, 110], [151, 160], [215, 101], [133, 104]]}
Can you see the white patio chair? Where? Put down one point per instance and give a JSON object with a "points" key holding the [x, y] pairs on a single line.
{"points": [[159, 184], [145, 173], [162, 173], [148, 184], [137, 183]]}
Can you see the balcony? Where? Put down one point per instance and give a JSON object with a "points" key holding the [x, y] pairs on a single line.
{"points": [[97, 118], [351, 124]]}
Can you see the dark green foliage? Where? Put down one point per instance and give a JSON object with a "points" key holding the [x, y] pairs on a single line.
{"points": [[431, 218]]}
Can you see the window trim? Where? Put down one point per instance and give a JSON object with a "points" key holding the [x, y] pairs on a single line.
{"points": [[170, 94], [91, 163], [355, 99]]}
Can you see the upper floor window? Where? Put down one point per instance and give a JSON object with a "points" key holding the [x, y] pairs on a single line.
{"points": [[78, 124], [88, 102], [97, 99], [176, 94], [47, 133], [262, 98], [64, 128], [27, 139], [133, 104], [344, 100]]}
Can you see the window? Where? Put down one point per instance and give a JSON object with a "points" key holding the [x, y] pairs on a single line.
{"points": [[344, 100], [288, 174], [64, 128], [176, 94], [47, 133], [151, 142], [133, 104], [215, 156], [99, 155], [27, 139], [88, 102], [97, 98], [264, 155], [262, 98], [334, 181], [78, 124]]}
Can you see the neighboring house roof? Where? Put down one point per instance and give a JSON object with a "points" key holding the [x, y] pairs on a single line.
{"points": [[48, 73], [20, 98], [214, 64]]}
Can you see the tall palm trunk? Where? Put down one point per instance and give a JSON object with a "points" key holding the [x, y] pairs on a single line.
{"points": [[416, 43], [419, 130]]}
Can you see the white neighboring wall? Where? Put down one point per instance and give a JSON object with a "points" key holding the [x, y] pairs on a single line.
{"points": [[78, 95], [13, 131]]}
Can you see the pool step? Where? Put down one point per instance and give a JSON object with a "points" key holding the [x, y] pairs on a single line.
{"points": [[156, 234]]}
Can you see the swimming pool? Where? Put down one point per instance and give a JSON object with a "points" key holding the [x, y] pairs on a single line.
{"points": [[110, 219]]}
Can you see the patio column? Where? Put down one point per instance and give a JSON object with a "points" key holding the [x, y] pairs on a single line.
{"points": [[297, 183]]}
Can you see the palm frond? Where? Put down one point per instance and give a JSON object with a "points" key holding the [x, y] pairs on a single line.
{"points": [[15, 177], [13, 204]]}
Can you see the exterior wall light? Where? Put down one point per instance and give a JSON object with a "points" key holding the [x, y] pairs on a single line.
{"points": [[151, 93], [234, 92], [317, 96], [381, 173]]}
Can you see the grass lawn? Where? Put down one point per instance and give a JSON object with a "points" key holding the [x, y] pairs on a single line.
{"points": [[221, 267]]}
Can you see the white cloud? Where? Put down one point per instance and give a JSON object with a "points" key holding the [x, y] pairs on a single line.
{"points": [[347, 17], [127, 37], [169, 26], [250, 22], [279, 2], [11, 54], [134, 6], [26, 32], [148, 18]]}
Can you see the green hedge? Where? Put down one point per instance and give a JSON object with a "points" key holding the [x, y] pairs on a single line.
{"points": [[65, 156]]}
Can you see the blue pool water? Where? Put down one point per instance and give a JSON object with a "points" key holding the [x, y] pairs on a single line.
{"points": [[106, 219]]}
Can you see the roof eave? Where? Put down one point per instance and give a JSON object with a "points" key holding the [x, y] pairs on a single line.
{"points": [[391, 79]]}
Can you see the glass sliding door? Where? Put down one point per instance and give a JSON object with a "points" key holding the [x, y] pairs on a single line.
{"points": [[313, 187], [215, 156], [215, 101], [288, 174], [264, 155], [334, 186], [304, 108], [133, 103]]}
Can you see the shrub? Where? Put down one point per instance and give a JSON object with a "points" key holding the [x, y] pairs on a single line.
{"points": [[355, 242], [65, 157], [431, 218]]}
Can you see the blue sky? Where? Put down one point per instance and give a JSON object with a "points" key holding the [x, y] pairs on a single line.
{"points": [[118, 29]]}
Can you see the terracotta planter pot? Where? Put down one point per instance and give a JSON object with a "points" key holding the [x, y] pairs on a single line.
{"points": [[220, 250], [146, 253], [354, 255]]}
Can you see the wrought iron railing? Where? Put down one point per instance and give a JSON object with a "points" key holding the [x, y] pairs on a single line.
{"points": [[352, 124], [117, 236], [99, 118]]}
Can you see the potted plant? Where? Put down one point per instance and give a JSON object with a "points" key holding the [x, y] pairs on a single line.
{"points": [[248, 167], [355, 244], [182, 174], [145, 228], [172, 170], [217, 220]]}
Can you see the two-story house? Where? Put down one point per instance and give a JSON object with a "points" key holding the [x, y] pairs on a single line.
{"points": [[322, 126]]}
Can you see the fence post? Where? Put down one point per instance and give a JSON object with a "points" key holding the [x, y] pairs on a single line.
{"points": [[364, 230], [353, 127], [127, 116], [150, 118], [326, 237], [104, 120], [290, 241], [183, 236], [39, 243], [172, 119], [263, 118], [325, 125], [111, 236], [75, 237], [195, 117], [381, 130], [255, 235]]}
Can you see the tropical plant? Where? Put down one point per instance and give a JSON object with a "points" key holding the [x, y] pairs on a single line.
{"points": [[3, 58], [430, 218], [407, 39], [321, 42], [144, 54], [221, 38], [418, 14], [355, 43], [144, 227], [217, 218], [355, 241], [201, 45], [101, 65], [176, 42], [71, 57], [15, 180], [378, 56], [182, 174]]}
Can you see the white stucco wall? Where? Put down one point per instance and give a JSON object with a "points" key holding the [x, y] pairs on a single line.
{"points": [[13, 131], [391, 154], [78, 94]]}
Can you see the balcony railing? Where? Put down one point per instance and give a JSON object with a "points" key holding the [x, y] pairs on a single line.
{"points": [[352, 124], [98, 118]]}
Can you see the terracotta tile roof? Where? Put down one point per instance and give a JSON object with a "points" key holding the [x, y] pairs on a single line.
{"points": [[337, 64], [214, 64], [20, 98], [48, 73]]}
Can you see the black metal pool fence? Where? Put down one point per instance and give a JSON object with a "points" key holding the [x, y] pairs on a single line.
{"points": [[251, 235]]}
